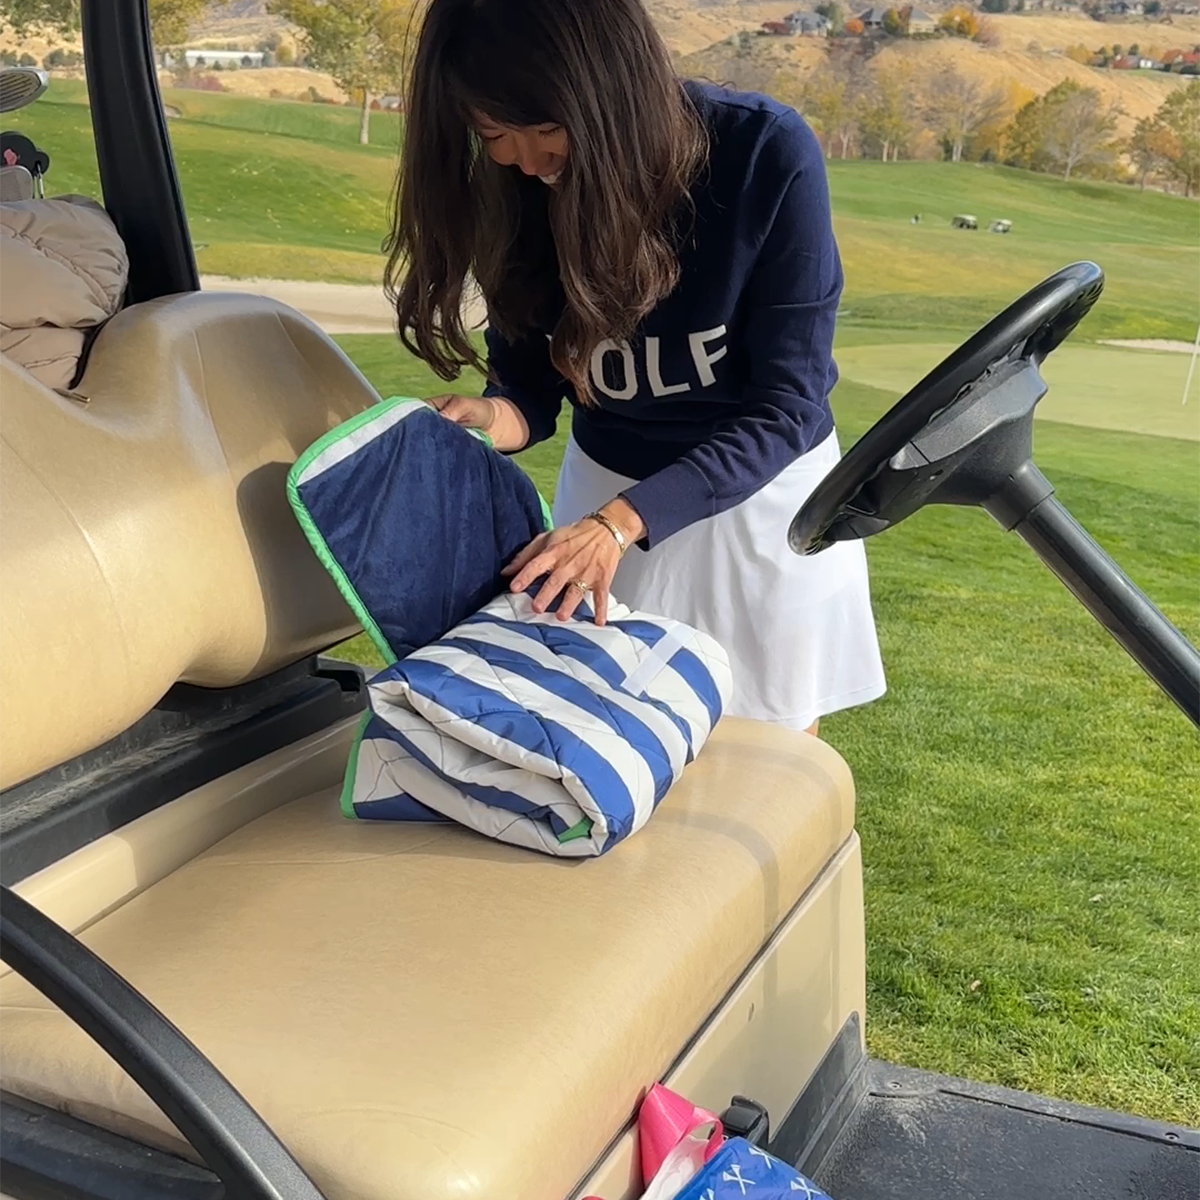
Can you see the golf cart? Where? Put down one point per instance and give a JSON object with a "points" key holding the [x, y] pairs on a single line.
{"points": [[964, 221], [215, 986]]}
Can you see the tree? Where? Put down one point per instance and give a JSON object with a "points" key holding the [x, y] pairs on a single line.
{"points": [[830, 101], [361, 43], [1080, 132], [1180, 114], [892, 24], [994, 6], [886, 115], [1080, 54], [169, 19], [959, 21], [284, 55], [957, 107], [1153, 148], [854, 27], [835, 15], [1152, 8]]}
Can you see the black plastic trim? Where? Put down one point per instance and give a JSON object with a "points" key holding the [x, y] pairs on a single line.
{"points": [[191, 738], [48, 1155], [827, 1104], [231, 1138], [133, 150]]}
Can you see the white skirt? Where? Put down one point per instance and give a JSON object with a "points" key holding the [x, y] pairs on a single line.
{"points": [[799, 632]]}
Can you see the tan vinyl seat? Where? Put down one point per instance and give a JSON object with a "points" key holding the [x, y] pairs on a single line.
{"points": [[146, 536], [421, 1014]]}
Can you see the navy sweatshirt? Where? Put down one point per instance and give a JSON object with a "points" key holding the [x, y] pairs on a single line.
{"points": [[727, 381]]}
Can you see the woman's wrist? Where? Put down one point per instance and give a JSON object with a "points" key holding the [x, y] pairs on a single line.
{"points": [[626, 518], [508, 428]]}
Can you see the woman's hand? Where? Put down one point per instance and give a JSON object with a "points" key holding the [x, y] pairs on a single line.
{"points": [[580, 559], [500, 419]]}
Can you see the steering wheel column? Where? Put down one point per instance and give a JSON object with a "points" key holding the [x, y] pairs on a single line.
{"points": [[964, 435]]}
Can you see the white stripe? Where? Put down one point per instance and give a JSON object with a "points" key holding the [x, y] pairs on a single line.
{"points": [[492, 822], [654, 719], [352, 443], [446, 732], [609, 745], [661, 653]]}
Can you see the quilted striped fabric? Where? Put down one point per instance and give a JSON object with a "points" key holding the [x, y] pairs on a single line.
{"points": [[560, 737]]}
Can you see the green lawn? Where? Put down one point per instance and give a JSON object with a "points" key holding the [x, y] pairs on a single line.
{"points": [[1027, 799], [1105, 387]]}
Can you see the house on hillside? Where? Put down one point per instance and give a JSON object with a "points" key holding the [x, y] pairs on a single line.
{"points": [[224, 58], [872, 19], [920, 22], [807, 24]]}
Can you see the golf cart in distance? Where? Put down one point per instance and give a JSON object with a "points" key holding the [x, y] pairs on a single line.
{"points": [[215, 986]]}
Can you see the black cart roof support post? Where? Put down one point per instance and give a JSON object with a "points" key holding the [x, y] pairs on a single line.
{"points": [[133, 151]]}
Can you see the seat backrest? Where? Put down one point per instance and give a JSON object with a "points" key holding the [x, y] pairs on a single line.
{"points": [[16, 183], [145, 536]]}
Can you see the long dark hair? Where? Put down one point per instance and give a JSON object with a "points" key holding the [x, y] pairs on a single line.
{"points": [[588, 258]]}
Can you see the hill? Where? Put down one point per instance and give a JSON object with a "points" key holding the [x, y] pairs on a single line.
{"points": [[771, 62]]}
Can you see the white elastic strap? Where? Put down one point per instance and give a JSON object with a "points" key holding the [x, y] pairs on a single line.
{"points": [[648, 670]]}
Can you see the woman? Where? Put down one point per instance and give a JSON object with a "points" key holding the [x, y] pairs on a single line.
{"points": [[659, 255]]}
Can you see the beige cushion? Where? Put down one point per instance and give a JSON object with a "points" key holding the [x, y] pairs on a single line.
{"points": [[422, 1014], [146, 538], [63, 270]]}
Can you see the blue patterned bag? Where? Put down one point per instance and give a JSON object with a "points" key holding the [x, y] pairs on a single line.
{"points": [[740, 1171]]}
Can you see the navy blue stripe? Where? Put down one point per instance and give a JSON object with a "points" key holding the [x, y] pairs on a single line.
{"points": [[564, 685], [539, 734], [687, 664], [490, 796], [563, 641]]}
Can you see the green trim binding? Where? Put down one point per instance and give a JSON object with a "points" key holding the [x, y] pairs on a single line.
{"points": [[331, 564], [581, 828], [347, 797], [313, 534]]}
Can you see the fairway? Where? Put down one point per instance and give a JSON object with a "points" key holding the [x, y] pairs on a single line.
{"points": [[1103, 387]]}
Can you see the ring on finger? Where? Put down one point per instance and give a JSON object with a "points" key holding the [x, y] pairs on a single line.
{"points": [[581, 585]]}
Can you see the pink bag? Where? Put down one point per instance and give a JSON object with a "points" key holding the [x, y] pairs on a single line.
{"points": [[666, 1119], [676, 1139]]}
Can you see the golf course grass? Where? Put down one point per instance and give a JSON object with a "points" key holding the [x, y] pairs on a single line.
{"points": [[1027, 799], [1026, 795], [1105, 387]]}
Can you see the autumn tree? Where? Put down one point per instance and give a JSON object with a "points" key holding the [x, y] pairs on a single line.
{"points": [[169, 19], [886, 112], [362, 43], [1153, 148], [830, 102], [959, 21], [854, 27], [893, 25], [1080, 132], [1179, 113], [957, 107]]}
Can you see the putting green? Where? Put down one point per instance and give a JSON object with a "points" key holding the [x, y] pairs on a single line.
{"points": [[1137, 391]]}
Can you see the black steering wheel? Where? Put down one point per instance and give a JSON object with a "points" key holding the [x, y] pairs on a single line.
{"points": [[962, 433]]}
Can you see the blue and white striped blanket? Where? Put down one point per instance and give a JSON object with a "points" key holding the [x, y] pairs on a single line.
{"points": [[561, 737], [557, 737]]}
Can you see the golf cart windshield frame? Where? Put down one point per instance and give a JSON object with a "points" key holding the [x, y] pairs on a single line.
{"points": [[133, 151]]}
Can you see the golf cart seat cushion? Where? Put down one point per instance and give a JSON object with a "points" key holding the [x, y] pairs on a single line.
{"points": [[147, 535], [421, 1013]]}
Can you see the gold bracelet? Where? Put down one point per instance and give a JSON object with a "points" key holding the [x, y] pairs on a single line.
{"points": [[611, 526]]}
